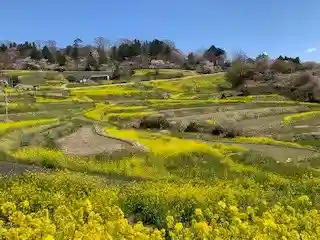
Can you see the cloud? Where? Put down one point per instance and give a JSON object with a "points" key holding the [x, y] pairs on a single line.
{"points": [[310, 50]]}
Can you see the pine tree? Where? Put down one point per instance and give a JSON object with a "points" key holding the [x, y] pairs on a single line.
{"points": [[47, 54], [61, 58], [35, 53]]}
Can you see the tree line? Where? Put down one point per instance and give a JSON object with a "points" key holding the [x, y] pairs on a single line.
{"points": [[102, 52], [138, 51]]}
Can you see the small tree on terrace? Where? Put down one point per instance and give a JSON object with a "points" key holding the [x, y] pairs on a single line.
{"points": [[240, 56], [61, 58], [262, 63], [283, 66], [239, 72], [102, 45], [47, 54]]}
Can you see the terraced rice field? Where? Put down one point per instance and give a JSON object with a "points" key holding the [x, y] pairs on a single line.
{"points": [[88, 170]]}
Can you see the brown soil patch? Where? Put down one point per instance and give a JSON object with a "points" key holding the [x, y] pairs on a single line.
{"points": [[243, 115], [86, 141], [11, 169]]}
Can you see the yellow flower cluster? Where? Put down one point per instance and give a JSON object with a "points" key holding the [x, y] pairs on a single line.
{"points": [[18, 222], [106, 112], [65, 100], [267, 140], [4, 126], [300, 116], [111, 90]]}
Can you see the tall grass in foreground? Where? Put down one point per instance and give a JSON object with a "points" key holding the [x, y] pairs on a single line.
{"points": [[69, 205], [199, 193]]}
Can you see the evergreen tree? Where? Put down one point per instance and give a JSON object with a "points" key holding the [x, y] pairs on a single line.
{"points": [[3, 48], [68, 50], [35, 53], [47, 54], [61, 58], [75, 50], [191, 59], [92, 63]]}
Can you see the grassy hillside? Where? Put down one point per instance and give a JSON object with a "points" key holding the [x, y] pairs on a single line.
{"points": [[161, 159]]}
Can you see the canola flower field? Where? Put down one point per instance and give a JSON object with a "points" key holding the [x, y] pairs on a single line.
{"points": [[182, 186]]}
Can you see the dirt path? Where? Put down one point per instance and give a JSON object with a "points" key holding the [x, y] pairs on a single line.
{"points": [[247, 117], [86, 141], [277, 152], [11, 169], [212, 109]]}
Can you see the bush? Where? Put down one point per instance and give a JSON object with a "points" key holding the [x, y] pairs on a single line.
{"points": [[261, 65], [52, 76], [302, 79], [153, 76], [224, 86], [283, 66], [264, 77], [14, 81], [154, 123], [71, 78], [229, 131], [218, 130], [193, 127], [239, 72], [203, 70], [60, 69], [307, 66], [232, 132]]}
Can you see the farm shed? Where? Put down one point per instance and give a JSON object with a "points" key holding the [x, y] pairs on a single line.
{"points": [[99, 77]]}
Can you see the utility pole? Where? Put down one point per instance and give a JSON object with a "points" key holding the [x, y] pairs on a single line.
{"points": [[6, 103]]}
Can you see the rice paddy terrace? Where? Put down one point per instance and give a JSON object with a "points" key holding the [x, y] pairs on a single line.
{"points": [[77, 163]]}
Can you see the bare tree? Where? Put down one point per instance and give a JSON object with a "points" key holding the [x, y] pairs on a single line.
{"points": [[102, 43], [123, 41], [77, 42], [240, 56], [39, 44], [8, 59], [170, 43], [52, 45]]}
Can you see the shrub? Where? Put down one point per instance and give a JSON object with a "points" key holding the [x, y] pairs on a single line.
{"points": [[71, 78], [302, 79], [193, 127], [229, 131], [239, 72], [154, 122], [52, 76], [232, 132], [268, 75], [261, 65], [217, 130], [224, 86], [15, 80], [307, 66], [60, 69], [283, 66]]}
